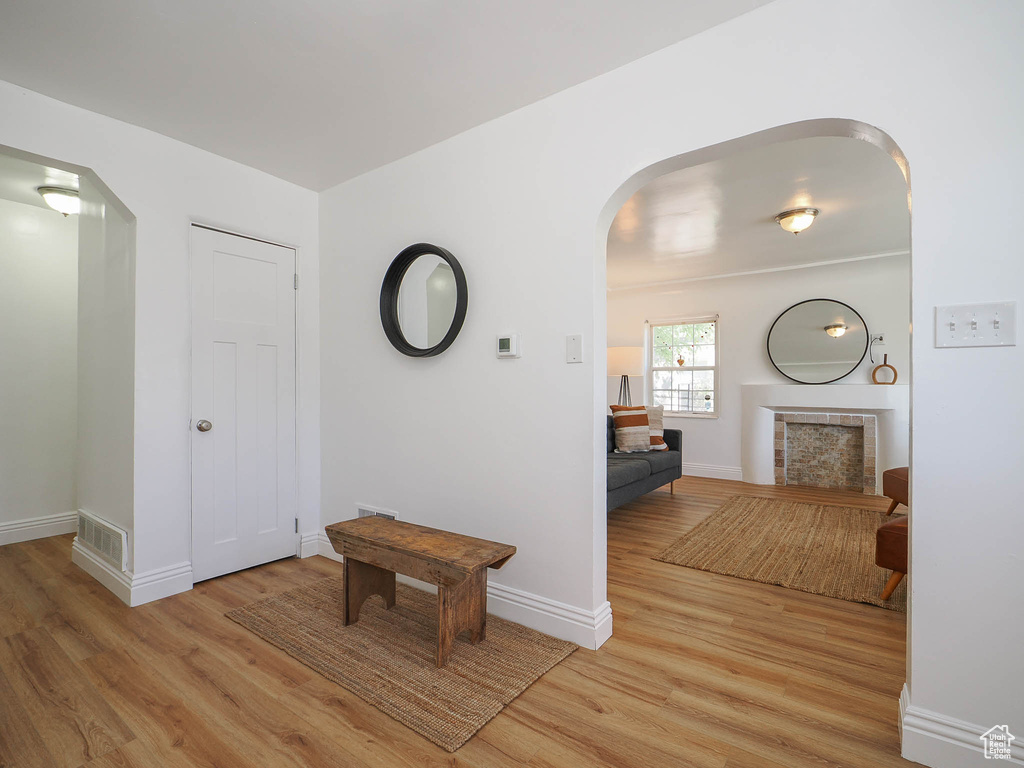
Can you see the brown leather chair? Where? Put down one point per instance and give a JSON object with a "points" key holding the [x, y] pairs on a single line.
{"points": [[896, 485], [891, 552]]}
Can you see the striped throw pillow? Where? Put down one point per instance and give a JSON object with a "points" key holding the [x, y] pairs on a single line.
{"points": [[632, 429], [656, 417]]}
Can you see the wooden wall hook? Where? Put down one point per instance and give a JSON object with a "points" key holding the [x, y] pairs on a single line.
{"points": [[885, 364]]}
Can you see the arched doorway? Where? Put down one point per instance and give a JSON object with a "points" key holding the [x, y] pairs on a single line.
{"points": [[818, 129]]}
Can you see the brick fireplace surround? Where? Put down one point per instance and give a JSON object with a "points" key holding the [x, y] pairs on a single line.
{"points": [[826, 450]]}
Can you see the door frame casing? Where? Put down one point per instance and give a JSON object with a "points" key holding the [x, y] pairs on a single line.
{"points": [[192, 224]]}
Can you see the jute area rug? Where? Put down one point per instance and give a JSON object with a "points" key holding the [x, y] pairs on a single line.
{"points": [[815, 548], [387, 658]]}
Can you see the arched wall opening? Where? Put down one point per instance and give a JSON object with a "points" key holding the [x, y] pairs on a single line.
{"points": [[810, 129], [104, 366]]}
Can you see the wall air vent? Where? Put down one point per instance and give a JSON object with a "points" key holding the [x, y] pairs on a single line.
{"points": [[365, 511], [107, 541]]}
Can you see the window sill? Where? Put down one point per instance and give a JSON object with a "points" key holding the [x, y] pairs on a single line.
{"points": [[685, 415]]}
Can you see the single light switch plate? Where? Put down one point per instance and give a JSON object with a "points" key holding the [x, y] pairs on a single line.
{"points": [[976, 325], [574, 349]]}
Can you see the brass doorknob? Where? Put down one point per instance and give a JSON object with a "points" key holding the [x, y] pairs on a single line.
{"points": [[204, 426]]}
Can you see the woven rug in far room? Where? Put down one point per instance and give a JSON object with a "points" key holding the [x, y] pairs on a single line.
{"points": [[387, 658], [817, 548]]}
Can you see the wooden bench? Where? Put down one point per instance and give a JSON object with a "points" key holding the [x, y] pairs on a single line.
{"points": [[375, 548]]}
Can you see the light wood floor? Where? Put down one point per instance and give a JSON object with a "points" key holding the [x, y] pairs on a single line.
{"points": [[703, 670]]}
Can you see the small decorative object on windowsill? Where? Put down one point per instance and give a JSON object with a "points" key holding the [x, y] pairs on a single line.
{"points": [[680, 362], [885, 364]]}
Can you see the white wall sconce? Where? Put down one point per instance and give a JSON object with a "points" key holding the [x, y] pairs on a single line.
{"points": [[797, 220], [61, 200]]}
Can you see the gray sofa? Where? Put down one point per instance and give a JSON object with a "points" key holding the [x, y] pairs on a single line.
{"points": [[633, 474]]}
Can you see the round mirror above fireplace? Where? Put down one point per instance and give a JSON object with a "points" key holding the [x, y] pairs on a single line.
{"points": [[818, 341]]}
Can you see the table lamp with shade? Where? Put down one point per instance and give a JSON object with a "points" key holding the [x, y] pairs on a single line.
{"points": [[625, 362]]}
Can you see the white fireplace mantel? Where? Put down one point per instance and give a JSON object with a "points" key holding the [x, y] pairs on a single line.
{"points": [[890, 403]]}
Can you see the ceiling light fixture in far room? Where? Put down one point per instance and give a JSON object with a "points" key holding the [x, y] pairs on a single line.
{"points": [[835, 331], [61, 200], [797, 219]]}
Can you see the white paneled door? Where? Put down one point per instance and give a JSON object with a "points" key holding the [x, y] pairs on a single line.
{"points": [[243, 403]]}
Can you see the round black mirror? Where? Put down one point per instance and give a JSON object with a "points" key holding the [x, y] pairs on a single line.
{"points": [[818, 341], [423, 300]]}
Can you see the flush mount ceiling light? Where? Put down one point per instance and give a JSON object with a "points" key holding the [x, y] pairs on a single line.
{"points": [[62, 200], [797, 220], [835, 331]]}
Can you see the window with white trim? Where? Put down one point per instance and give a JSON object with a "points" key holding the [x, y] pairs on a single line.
{"points": [[683, 366]]}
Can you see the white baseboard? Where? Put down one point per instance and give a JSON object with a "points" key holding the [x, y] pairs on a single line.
{"points": [[38, 527], [588, 629], [134, 588], [712, 470], [160, 583], [309, 543], [325, 549], [116, 581], [940, 741]]}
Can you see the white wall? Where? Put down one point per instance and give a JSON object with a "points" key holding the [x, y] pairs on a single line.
{"points": [[106, 358], [879, 289], [513, 449], [167, 184], [38, 289]]}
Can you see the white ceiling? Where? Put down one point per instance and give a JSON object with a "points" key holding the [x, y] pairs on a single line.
{"points": [[19, 180], [719, 218], [319, 91]]}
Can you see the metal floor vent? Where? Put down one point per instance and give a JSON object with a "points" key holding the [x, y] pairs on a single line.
{"points": [[107, 541]]}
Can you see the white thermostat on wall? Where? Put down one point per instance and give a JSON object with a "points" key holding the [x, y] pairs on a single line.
{"points": [[509, 345]]}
